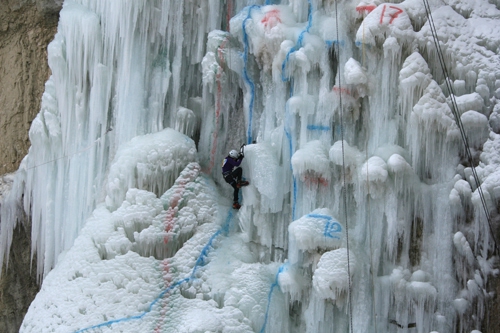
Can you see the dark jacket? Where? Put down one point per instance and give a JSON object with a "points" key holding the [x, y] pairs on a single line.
{"points": [[229, 164]]}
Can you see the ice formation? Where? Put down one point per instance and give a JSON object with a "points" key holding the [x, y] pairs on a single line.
{"points": [[362, 215]]}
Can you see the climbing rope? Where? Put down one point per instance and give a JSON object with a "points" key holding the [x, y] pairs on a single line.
{"points": [[344, 183], [458, 121], [374, 312], [96, 141]]}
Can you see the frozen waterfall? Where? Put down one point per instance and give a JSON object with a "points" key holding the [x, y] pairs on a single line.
{"points": [[362, 214]]}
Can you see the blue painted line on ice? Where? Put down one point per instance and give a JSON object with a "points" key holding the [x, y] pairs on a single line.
{"points": [[294, 198], [330, 43], [298, 45], [294, 201], [269, 295], [320, 216], [200, 262], [318, 128], [359, 44], [284, 79], [290, 145], [246, 76]]}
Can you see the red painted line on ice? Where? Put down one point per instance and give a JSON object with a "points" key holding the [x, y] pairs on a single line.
{"points": [[229, 12], [343, 91], [218, 98], [367, 8], [382, 16], [173, 208], [167, 278], [315, 180]]}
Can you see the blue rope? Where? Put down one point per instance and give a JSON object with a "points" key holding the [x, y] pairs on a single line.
{"points": [[246, 76], [199, 263], [269, 295]]}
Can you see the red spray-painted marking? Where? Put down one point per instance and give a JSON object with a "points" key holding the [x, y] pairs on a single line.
{"points": [[215, 133], [312, 180], [367, 8], [393, 15], [174, 202], [271, 19], [229, 12], [343, 91], [382, 15], [167, 278]]}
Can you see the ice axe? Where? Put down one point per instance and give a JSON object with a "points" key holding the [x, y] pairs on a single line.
{"points": [[242, 150]]}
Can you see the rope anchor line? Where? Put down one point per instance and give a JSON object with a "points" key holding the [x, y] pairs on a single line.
{"points": [[458, 121], [344, 182]]}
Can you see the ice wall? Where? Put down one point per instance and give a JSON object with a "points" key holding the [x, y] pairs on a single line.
{"points": [[362, 214], [116, 73], [349, 112]]}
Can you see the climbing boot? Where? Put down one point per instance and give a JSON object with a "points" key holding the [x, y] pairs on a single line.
{"points": [[236, 205], [242, 183]]}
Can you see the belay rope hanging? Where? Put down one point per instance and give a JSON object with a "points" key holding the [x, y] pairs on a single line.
{"points": [[454, 109], [344, 186]]}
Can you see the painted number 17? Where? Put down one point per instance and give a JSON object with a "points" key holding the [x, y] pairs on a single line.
{"points": [[393, 14]]}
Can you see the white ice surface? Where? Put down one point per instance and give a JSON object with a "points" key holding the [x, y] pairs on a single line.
{"points": [[344, 116]]}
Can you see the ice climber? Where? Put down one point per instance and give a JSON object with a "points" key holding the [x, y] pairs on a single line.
{"points": [[232, 173]]}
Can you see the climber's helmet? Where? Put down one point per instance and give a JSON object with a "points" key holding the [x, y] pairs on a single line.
{"points": [[234, 154]]}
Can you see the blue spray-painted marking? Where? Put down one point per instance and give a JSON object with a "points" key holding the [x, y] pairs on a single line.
{"points": [[332, 227], [294, 202], [284, 79], [318, 128], [359, 44], [199, 263], [320, 216], [269, 295], [330, 43], [298, 45], [290, 145], [246, 76]]}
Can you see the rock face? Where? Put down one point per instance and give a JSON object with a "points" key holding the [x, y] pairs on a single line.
{"points": [[18, 285], [26, 28]]}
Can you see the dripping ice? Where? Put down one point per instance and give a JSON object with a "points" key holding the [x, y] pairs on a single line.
{"points": [[361, 209]]}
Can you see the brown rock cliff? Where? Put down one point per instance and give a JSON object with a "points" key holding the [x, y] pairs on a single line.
{"points": [[26, 28]]}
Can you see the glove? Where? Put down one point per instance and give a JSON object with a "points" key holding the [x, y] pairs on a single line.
{"points": [[241, 155]]}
